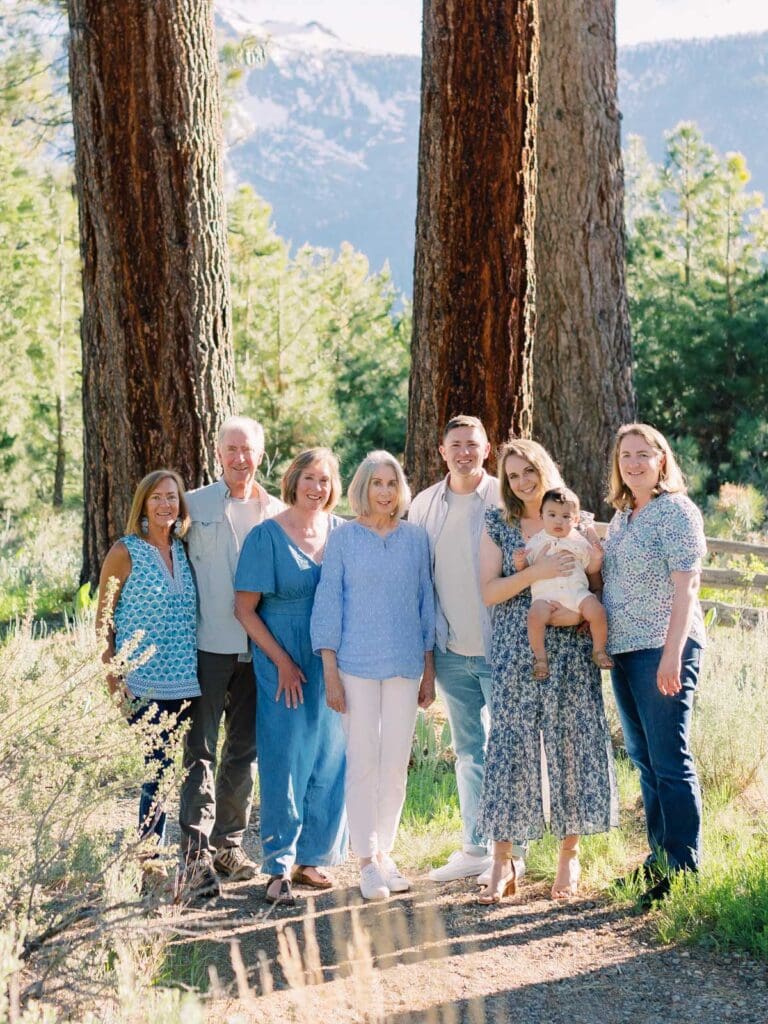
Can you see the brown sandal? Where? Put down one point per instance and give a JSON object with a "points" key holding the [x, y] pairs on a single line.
{"points": [[300, 877], [540, 669], [602, 659]]}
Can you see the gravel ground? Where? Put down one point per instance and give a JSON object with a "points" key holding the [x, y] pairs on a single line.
{"points": [[434, 956]]}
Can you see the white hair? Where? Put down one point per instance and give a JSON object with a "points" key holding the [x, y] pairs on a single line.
{"points": [[247, 425], [358, 488]]}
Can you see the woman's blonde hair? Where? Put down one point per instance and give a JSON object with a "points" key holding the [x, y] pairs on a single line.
{"points": [[671, 479], [292, 475], [358, 488], [539, 458], [143, 491]]}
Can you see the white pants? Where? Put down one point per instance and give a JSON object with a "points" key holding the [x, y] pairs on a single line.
{"points": [[378, 725]]}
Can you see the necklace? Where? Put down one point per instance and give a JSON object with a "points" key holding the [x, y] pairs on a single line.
{"points": [[529, 532]]}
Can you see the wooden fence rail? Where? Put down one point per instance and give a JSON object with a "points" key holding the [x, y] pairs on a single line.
{"points": [[731, 579]]}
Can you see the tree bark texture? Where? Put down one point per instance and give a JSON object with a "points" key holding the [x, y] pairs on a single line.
{"points": [[158, 372], [582, 353], [474, 256]]}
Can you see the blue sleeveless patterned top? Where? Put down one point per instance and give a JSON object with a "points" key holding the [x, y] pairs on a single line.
{"points": [[165, 608]]}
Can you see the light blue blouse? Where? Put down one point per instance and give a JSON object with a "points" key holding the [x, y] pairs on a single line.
{"points": [[164, 608], [374, 604], [666, 536]]}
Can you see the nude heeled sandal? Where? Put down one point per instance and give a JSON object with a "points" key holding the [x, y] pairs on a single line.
{"points": [[506, 886]]}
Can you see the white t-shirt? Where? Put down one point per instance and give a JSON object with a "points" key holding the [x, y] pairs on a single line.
{"points": [[456, 587], [244, 514], [571, 590]]}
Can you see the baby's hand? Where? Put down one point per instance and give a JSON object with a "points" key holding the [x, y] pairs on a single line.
{"points": [[520, 559]]}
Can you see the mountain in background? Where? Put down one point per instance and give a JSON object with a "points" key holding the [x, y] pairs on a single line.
{"points": [[721, 84], [329, 135]]}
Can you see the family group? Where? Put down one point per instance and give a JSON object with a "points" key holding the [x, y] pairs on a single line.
{"points": [[316, 639]]}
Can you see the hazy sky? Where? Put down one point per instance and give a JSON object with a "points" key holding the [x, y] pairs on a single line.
{"points": [[396, 24]]}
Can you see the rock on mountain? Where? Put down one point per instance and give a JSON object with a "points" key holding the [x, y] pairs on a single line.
{"points": [[329, 136]]}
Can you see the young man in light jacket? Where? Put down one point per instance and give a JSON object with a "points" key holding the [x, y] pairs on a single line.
{"points": [[453, 513], [215, 805]]}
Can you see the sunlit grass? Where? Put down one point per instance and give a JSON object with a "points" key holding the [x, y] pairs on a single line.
{"points": [[40, 557]]}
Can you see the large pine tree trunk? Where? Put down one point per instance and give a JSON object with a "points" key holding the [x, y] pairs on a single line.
{"points": [[470, 349], [157, 355], [582, 353]]}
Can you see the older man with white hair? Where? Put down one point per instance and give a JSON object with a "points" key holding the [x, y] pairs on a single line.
{"points": [[215, 805]]}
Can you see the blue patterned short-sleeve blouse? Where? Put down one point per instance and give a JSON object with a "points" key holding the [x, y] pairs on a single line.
{"points": [[665, 536], [164, 608], [375, 602]]}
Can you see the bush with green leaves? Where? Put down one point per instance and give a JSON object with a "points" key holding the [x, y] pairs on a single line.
{"points": [[75, 929]]}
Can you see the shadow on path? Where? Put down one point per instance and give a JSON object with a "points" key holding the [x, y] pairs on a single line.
{"points": [[433, 955]]}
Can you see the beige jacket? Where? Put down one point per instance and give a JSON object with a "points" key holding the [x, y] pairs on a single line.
{"points": [[213, 553]]}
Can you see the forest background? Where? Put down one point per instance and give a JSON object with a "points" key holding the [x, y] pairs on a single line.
{"points": [[322, 355], [322, 339]]}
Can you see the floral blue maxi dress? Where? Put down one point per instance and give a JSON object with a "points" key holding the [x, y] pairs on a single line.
{"points": [[301, 750], [566, 711]]}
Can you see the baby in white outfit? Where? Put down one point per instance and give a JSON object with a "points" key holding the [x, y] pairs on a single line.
{"points": [[560, 512]]}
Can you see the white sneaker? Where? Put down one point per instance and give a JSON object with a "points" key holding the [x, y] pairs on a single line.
{"points": [[485, 878], [395, 881], [372, 885], [461, 865]]}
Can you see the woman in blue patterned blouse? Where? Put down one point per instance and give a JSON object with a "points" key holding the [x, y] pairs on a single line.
{"points": [[373, 622], [653, 554], [146, 585]]}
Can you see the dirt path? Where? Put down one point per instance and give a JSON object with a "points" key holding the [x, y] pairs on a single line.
{"points": [[433, 956]]}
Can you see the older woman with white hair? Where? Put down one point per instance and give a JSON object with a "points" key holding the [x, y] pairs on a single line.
{"points": [[373, 622]]}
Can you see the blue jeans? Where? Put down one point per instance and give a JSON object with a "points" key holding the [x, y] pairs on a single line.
{"points": [[656, 731], [157, 759], [464, 684]]}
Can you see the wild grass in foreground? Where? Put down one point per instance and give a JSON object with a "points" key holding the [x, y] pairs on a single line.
{"points": [[726, 905], [78, 939]]}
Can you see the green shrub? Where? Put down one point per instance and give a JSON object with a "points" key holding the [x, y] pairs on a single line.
{"points": [[72, 917], [735, 512]]}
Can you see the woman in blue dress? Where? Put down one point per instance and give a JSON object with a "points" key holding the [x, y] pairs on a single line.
{"points": [[146, 586], [299, 739]]}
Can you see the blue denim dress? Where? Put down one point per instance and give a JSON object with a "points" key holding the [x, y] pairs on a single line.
{"points": [[301, 750]]}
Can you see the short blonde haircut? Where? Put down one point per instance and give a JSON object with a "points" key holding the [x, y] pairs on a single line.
{"points": [[539, 458], [292, 475], [671, 479], [358, 488], [143, 491]]}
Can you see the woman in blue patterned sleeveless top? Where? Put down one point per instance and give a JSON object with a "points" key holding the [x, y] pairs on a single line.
{"points": [[147, 587]]}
